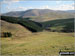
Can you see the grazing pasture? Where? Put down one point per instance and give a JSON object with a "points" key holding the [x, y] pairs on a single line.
{"points": [[41, 43], [32, 38]]}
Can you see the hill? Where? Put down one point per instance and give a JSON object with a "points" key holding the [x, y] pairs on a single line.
{"points": [[40, 15], [16, 29], [60, 25], [29, 24], [40, 43], [71, 11]]}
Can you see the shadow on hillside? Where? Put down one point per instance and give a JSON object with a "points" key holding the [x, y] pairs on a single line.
{"points": [[30, 29], [61, 25], [36, 27], [68, 29]]}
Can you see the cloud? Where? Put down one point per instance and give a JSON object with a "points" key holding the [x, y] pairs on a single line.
{"points": [[42, 7], [58, 2], [17, 9], [65, 7], [20, 8], [73, 4], [60, 7], [46, 7], [9, 2]]}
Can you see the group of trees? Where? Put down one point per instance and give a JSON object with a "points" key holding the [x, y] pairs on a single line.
{"points": [[10, 19], [60, 25], [68, 24], [5, 34], [29, 24]]}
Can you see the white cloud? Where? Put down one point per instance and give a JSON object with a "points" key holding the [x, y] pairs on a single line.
{"points": [[9, 2], [58, 2], [65, 7], [20, 8], [73, 4], [60, 7], [43, 7], [46, 7]]}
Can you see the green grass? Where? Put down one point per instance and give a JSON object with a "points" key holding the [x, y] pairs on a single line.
{"points": [[42, 43]]}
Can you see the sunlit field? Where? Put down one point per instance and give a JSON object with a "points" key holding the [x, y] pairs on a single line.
{"points": [[41, 43]]}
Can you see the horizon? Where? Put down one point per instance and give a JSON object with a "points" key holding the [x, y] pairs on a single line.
{"points": [[36, 9], [18, 5]]}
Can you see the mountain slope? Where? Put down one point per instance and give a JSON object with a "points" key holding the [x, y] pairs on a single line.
{"points": [[71, 11], [41, 14]]}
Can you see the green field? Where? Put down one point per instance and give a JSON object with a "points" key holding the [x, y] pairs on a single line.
{"points": [[41, 43], [32, 38]]}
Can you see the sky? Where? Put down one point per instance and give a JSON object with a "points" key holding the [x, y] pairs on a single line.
{"points": [[23, 5]]}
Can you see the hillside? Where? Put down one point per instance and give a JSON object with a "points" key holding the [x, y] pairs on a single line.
{"points": [[16, 29], [40, 15], [29, 24], [37, 38], [60, 25], [71, 11]]}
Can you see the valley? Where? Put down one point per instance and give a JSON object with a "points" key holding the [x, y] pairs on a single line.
{"points": [[37, 32]]}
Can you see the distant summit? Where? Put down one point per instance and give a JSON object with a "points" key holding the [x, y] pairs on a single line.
{"points": [[41, 14]]}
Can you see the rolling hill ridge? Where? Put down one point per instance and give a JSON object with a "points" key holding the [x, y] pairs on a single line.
{"points": [[40, 15], [60, 25]]}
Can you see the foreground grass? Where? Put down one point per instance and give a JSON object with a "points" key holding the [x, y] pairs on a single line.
{"points": [[43, 43]]}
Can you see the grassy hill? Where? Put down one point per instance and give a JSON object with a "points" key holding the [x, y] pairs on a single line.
{"points": [[16, 29], [24, 42]]}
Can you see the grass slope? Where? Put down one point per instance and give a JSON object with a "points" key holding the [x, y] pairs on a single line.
{"points": [[42, 43], [16, 29]]}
